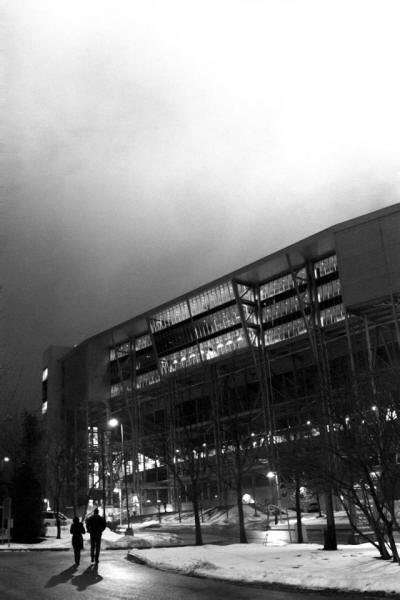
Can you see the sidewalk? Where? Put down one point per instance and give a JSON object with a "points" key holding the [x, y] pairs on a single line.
{"points": [[352, 568]]}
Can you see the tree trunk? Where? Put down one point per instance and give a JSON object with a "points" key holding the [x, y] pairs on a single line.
{"points": [[196, 509], [330, 542], [300, 539], [57, 507], [242, 529]]}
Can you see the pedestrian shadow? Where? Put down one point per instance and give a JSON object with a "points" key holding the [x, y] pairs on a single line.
{"points": [[62, 577], [88, 577]]}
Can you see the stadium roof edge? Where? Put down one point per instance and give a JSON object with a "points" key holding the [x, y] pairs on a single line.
{"points": [[318, 244]]}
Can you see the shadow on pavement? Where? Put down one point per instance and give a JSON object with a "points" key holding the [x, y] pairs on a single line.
{"points": [[61, 577], [88, 577]]}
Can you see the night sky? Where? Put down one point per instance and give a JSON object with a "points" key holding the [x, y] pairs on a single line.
{"points": [[155, 145]]}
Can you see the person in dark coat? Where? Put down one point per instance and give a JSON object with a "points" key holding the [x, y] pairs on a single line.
{"points": [[95, 526], [77, 529]]}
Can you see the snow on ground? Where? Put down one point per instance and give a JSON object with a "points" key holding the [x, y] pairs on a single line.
{"points": [[350, 568], [110, 540], [354, 568]]}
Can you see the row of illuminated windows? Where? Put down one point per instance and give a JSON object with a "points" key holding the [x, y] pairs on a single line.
{"points": [[186, 334], [209, 325], [329, 290], [170, 316], [333, 314], [227, 343], [230, 316], [201, 303], [223, 319], [328, 316], [283, 308], [281, 284], [284, 331], [224, 293], [218, 346], [223, 344], [325, 266], [179, 360], [286, 282], [211, 298]]}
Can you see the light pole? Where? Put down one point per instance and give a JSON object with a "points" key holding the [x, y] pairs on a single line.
{"points": [[113, 423]]}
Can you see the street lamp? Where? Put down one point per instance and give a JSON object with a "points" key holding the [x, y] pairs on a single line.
{"points": [[113, 423]]}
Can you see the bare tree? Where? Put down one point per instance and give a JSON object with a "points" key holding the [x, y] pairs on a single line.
{"points": [[365, 445]]}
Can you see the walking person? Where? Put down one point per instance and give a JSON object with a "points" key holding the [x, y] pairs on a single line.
{"points": [[95, 526], [77, 529]]}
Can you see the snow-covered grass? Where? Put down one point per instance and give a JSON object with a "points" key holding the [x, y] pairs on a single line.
{"points": [[351, 568]]}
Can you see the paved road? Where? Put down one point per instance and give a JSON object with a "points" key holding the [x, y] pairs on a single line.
{"points": [[49, 575]]}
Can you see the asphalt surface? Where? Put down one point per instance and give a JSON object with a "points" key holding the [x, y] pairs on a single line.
{"points": [[50, 575]]}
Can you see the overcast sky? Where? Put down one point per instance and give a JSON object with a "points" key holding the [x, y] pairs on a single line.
{"points": [[155, 145]]}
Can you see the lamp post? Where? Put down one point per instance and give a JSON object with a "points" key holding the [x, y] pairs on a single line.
{"points": [[113, 423]]}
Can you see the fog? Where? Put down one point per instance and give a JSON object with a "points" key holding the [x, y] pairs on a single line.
{"points": [[152, 146]]}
